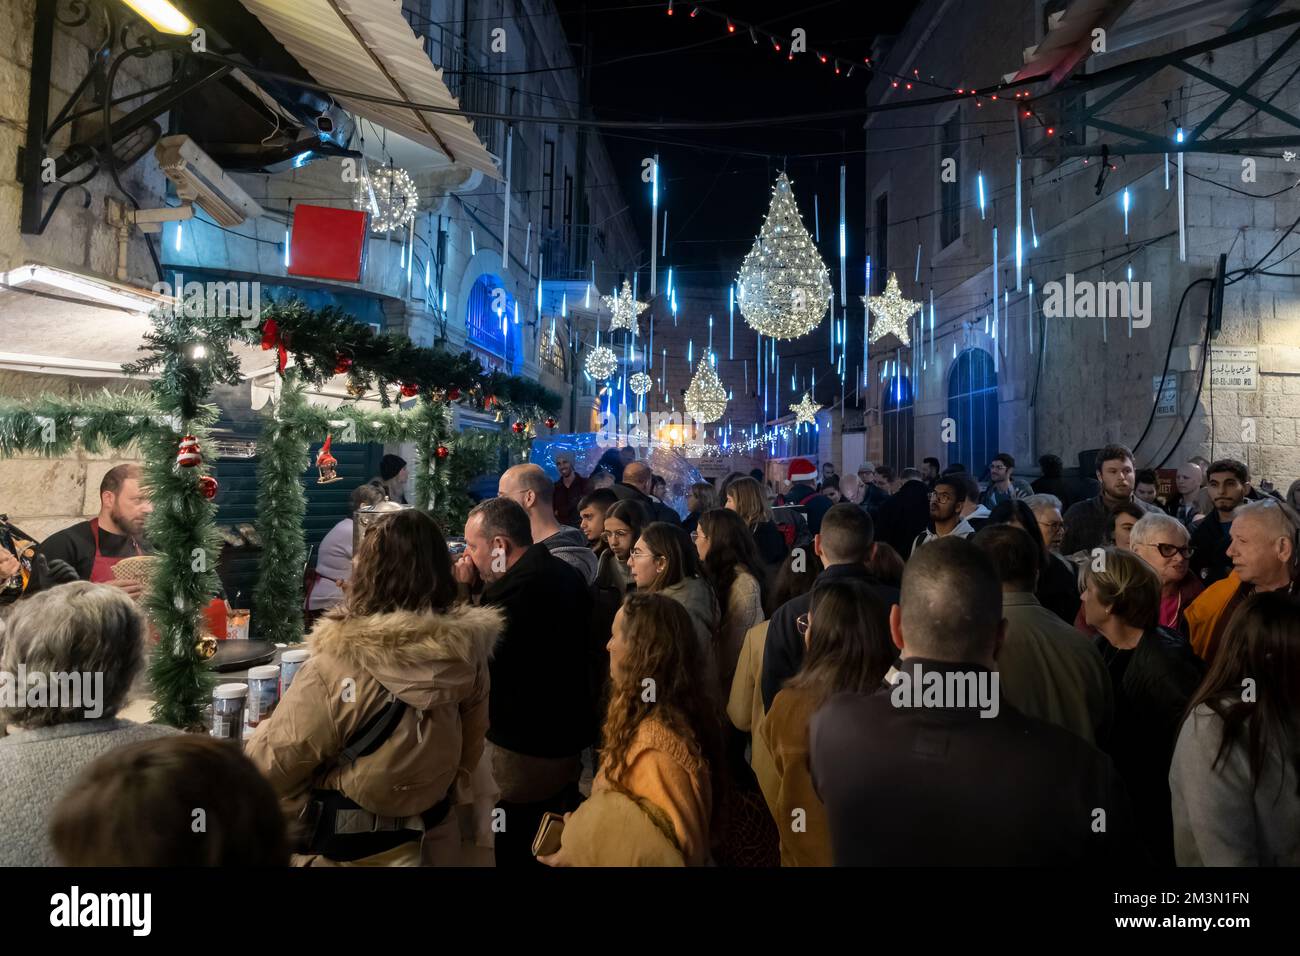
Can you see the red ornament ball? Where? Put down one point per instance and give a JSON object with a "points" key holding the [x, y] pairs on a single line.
{"points": [[342, 365], [550, 422], [188, 455], [208, 487], [453, 394], [518, 427], [409, 390], [442, 451]]}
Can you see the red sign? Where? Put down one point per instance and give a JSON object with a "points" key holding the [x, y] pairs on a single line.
{"points": [[327, 243]]}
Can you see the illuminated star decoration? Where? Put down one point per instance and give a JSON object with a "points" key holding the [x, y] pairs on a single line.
{"points": [[892, 312], [805, 412], [640, 383], [601, 362], [623, 309], [706, 399]]}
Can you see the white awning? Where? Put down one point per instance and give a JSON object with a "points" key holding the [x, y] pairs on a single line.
{"points": [[367, 47]]}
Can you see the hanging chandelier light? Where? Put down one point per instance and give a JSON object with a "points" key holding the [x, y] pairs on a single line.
{"points": [[396, 199], [601, 362], [783, 289], [706, 399], [623, 308], [640, 383], [892, 312]]}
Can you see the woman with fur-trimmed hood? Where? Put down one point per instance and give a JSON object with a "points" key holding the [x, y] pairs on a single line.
{"points": [[384, 724]]}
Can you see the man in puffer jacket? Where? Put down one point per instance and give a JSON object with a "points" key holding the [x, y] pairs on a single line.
{"points": [[397, 638]]}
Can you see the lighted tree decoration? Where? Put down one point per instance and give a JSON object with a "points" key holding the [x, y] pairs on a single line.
{"points": [[640, 383], [623, 308], [783, 289], [892, 312], [601, 362], [395, 198], [706, 399], [805, 411]]}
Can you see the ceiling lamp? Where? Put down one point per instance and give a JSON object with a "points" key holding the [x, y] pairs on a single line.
{"points": [[623, 308], [706, 399], [783, 287], [892, 312], [390, 195], [601, 362]]}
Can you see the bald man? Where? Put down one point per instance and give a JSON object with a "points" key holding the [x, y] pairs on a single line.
{"points": [[637, 479], [532, 489]]}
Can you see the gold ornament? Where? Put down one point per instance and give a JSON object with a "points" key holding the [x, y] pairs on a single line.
{"points": [[623, 308], [706, 399], [601, 362], [206, 647], [783, 289], [892, 312], [805, 412], [355, 390]]}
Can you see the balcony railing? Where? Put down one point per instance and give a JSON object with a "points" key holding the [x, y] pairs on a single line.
{"points": [[450, 52], [569, 250]]}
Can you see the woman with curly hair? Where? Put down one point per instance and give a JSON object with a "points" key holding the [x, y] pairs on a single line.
{"points": [[730, 562], [661, 743]]}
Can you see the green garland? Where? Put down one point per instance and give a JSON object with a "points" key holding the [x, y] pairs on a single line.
{"points": [[54, 427], [281, 507]]}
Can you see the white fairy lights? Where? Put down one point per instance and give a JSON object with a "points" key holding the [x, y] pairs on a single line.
{"points": [[892, 312], [623, 308], [805, 410], [783, 289], [396, 199], [601, 362], [706, 399], [639, 383]]}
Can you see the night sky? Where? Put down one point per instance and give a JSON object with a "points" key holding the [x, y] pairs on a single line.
{"points": [[716, 184]]}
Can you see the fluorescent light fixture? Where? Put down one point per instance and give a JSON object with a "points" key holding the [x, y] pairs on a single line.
{"points": [[180, 233], [162, 16], [86, 287]]}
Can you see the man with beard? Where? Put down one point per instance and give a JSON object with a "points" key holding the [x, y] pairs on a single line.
{"points": [[1086, 522], [1228, 484], [569, 490], [91, 548]]}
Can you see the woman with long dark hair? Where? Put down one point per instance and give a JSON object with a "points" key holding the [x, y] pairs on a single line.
{"points": [[730, 561], [411, 661], [663, 751], [1235, 777], [665, 562], [849, 651], [622, 529]]}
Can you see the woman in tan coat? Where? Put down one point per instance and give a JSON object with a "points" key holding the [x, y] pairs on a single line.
{"points": [[730, 562], [661, 742], [385, 722], [849, 651]]}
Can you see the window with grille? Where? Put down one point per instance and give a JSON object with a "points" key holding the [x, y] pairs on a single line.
{"points": [[973, 407]]}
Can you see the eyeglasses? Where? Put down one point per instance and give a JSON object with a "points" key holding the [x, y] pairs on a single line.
{"points": [[1052, 526], [695, 536], [802, 623], [1169, 550], [942, 498]]}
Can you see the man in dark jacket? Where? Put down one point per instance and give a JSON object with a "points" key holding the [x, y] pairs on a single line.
{"points": [[1086, 522], [905, 515], [1212, 535], [635, 485], [568, 490], [803, 481], [845, 545], [937, 769], [539, 707]]}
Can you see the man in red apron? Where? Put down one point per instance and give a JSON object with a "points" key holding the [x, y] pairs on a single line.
{"points": [[92, 547]]}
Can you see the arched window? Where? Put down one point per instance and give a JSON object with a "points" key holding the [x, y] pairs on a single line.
{"points": [[489, 319], [896, 418], [973, 407]]}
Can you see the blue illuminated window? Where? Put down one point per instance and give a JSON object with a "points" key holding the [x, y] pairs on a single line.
{"points": [[489, 319], [896, 420], [973, 407]]}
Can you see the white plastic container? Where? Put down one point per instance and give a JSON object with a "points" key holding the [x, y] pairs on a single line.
{"points": [[290, 661], [229, 705], [263, 692]]}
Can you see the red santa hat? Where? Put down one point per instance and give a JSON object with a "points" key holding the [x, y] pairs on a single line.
{"points": [[801, 469]]}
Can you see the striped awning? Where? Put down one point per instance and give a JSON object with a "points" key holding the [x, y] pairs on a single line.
{"points": [[367, 47]]}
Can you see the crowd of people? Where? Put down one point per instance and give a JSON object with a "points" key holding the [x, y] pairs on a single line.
{"points": [[850, 669]]}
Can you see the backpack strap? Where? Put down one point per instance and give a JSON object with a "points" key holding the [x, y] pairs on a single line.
{"points": [[373, 733]]}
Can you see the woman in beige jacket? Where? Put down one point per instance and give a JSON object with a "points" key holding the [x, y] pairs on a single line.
{"points": [[396, 650], [730, 561]]}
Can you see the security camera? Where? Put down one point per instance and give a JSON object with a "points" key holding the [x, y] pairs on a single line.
{"points": [[200, 180]]}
